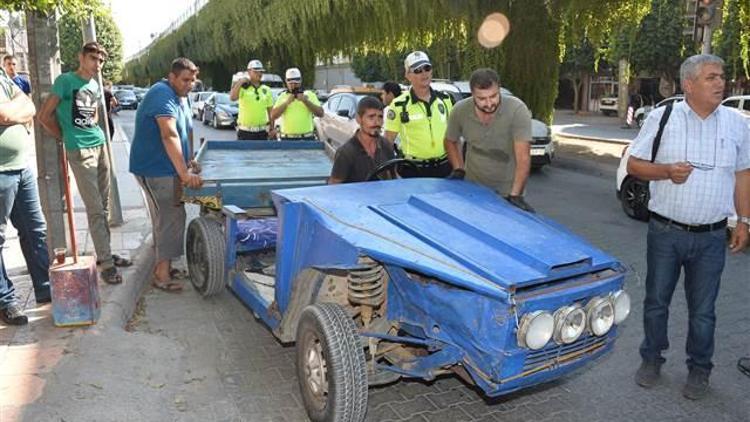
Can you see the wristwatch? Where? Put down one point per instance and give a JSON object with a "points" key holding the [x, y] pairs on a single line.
{"points": [[744, 219]]}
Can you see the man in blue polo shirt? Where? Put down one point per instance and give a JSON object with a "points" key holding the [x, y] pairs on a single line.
{"points": [[159, 160]]}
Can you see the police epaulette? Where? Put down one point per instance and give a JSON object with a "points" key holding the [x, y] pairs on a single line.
{"points": [[400, 103]]}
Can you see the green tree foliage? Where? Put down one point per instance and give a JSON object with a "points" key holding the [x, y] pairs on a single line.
{"points": [[107, 33], [45, 6], [580, 61], [659, 43], [732, 43], [226, 33]]}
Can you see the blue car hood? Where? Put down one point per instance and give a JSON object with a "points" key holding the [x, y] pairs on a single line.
{"points": [[456, 231]]}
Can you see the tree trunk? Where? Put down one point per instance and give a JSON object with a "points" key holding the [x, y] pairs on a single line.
{"points": [[44, 67]]}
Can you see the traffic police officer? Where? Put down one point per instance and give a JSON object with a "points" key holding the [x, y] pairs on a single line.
{"points": [[297, 108], [255, 102], [419, 117]]}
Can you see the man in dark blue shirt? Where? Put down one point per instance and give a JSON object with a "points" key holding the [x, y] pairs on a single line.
{"points": [[9, 64], [159, 160]]}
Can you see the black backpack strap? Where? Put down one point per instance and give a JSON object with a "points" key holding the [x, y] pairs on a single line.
{"points": [[662, 124]]}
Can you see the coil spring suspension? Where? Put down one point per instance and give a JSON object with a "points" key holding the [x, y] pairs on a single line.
{"points": [[367, 286]]}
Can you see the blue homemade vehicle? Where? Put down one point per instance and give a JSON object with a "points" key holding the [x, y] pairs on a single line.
{"points": [[406, 278]]}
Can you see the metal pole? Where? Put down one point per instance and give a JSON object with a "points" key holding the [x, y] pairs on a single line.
{"points": [[707, 32], [44, 67], [115, 214]]}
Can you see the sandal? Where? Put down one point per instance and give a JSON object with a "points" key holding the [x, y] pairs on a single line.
{"points": [[119, 261], [178, 274], [169, 286], [111, 276]]}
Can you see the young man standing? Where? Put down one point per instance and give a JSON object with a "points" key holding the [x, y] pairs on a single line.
{"points": [[366, 150], [19, 200], [70, 115], [159, 160], [10, 64], [497, 132], [255, 102]]}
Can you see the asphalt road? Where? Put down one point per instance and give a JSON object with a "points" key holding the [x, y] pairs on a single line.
{"points": [[228, 367]]}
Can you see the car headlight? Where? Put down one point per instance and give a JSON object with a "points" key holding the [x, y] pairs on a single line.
{"points": [[222, 114], [570, 321], [535, 329], [600, 315], [622, 305]]}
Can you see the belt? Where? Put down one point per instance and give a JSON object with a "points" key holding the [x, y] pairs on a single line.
{"points": [[694, 228], [427, 160], [298, 136], [254, 129]]}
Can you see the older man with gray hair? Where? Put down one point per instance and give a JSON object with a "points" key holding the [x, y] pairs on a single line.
{"points": [[700, 174]]}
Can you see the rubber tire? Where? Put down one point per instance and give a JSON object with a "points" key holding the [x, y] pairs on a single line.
{"points": [[204, 251], [632, 187], [215, 122], [341, 349], [639, 120], [203, 119]]}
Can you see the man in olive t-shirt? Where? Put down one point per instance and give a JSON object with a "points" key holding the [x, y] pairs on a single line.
{"points": [[70, 115], [497, 133], [19, 200]]}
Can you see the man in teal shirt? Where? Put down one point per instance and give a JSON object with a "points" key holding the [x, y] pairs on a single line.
{"points": [[70, 115]]}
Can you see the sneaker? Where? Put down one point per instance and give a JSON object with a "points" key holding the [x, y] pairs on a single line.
{"points": [[696, 386], [648, 374], [13, 315], [111, 276]]}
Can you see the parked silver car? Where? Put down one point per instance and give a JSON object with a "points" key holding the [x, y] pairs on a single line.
{"points": [[197, 102]]}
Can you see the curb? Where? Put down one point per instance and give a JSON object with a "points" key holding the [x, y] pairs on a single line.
{"points": [[593, 138], [120, 304]]}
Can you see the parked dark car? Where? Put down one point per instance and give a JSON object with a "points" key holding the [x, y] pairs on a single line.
{"points": [[126, 99], [219, 111]]}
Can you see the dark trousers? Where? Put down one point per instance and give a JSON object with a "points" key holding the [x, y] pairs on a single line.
{"points": [[701, 255], [243, 135], [430, 168]]}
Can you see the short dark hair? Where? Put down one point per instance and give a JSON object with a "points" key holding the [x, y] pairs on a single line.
{"points": [[181, 63], [8, 57], [392, 87], [94, 47], [368, 103], [483, 78]]}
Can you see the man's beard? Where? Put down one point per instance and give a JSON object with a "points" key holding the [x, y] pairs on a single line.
{"points": [[488, 110]]}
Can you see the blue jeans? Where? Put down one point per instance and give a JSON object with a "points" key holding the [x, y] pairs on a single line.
{"points": [[702, 256], [19, 202]]}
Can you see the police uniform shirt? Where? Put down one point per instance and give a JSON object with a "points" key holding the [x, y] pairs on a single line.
{"points": [[421, 125], [297, 118], [254, 103]]}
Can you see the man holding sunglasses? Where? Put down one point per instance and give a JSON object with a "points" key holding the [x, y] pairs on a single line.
{"points": [[419, 117], [699, 176], [70, 115], [297, 107], [255, 101]]}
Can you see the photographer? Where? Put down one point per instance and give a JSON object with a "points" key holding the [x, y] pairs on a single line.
{"points": [[296, 107], [255, 102]]}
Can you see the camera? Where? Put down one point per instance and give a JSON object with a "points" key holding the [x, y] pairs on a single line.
{"points": [[296, 90], [246, 84]]}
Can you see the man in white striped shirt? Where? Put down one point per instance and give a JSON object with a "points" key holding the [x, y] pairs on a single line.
{"points": [[700, 176]]}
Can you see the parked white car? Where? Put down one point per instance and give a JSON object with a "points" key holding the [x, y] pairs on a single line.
{"points": [[642, 112], [197, 101], [740, 103], [608, 106]]}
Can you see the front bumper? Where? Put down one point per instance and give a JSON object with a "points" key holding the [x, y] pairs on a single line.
{"points": [[542, 151]]}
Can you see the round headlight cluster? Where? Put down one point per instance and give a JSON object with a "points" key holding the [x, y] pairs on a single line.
{"points": [[569, 323], [535, 329]]}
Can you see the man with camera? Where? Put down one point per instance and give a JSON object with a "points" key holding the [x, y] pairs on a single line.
{"points": [[296, 107], [255, 102]]}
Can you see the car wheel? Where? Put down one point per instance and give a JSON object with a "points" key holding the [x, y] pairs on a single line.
{"points": [[215, 122], [203, 118], [639, 120], [634, 197], [204, 246], [331, 366]]}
